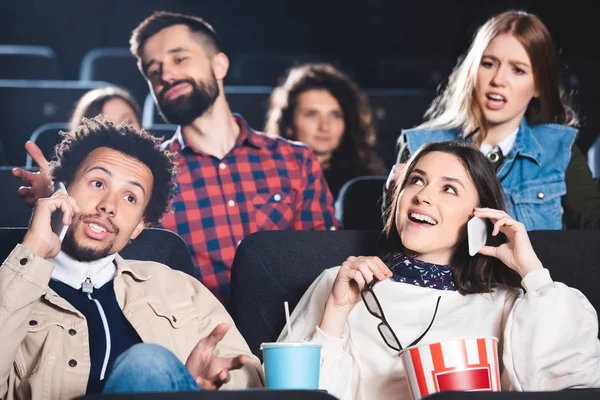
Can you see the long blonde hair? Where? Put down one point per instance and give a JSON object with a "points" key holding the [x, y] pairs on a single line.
{"points": [[457, 107]]}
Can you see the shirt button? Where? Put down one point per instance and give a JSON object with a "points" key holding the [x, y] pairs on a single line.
{"points": [[231, 203], [277, 197], [23, 261], [540, 195], [33, 322], [72, 332], [222, 166], [72, 363]]}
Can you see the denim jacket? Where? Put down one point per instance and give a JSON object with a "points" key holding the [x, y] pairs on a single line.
{"points": [[533, 173]]}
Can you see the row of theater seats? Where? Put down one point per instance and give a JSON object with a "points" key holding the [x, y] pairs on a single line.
{"points": [[36, 109], [263, 278], [117, 65], [29, 80], [248, 68], [31, 104]]}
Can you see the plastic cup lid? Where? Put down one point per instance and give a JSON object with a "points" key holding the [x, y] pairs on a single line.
{"points": [[274, 345]]}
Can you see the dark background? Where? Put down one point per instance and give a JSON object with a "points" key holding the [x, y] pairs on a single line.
{"points": [[360, 35]]}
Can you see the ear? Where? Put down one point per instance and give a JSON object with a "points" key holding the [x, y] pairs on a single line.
{"points": [[138, 229], [220, 65], [536, 93]]}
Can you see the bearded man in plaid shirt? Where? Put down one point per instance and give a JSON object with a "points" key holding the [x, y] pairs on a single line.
{"points": [[232, 180]]}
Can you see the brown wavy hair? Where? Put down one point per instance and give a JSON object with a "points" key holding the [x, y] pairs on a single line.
{"points": [[160, 20], [356, 151], [477, 274]]}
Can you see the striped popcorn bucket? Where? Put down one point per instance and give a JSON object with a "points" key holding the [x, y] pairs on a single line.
{"points": [[459, 365]]}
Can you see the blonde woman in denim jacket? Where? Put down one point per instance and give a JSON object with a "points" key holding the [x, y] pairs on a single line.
{"points": [[505, 96]]}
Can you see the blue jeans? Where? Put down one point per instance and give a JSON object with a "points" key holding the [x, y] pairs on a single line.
{"points": [[149, 367]]}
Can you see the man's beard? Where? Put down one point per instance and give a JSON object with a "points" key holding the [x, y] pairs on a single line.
{"points": [[82, 253], [184, 109]]}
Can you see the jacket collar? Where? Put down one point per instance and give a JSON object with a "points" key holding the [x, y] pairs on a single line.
{"points": [[526, 144], [124, 266], [63, 270], [73, 272]]}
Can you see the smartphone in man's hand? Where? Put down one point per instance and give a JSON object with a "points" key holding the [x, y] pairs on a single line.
{"points": [[56, 220]]}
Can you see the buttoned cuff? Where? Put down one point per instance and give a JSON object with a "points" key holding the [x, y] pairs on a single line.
{"points": [[332, 347], [536, 279]]}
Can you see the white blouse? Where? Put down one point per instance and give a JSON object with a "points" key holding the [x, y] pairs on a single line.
{"points": [[547, 337]]}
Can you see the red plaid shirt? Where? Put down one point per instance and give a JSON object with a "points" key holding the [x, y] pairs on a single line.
{"points": [[263, 183]]}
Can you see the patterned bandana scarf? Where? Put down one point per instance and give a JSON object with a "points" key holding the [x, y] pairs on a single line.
{"points": [[421, 273]]}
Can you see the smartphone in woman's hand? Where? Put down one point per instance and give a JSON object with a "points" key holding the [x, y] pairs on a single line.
{"points": [[477, 234]]}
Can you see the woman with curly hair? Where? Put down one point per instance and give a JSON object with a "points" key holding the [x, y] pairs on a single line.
{"points": [[320, 106]]}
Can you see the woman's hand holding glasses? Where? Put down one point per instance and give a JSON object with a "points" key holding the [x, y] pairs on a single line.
{"points": [[354, 274]]}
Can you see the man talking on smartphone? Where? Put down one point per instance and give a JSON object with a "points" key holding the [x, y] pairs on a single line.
{"points": [[76, 318]]}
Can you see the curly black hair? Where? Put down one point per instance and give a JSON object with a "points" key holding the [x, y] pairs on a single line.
{"points": [[94, 133]]}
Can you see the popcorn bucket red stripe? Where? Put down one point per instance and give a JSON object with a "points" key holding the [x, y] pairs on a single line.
{"points": [[481, 348], [418, 368], [438, 357]]}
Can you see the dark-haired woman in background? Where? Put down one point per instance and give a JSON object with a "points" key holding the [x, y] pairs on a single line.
{"points": [[114, 103], [320, 106]]}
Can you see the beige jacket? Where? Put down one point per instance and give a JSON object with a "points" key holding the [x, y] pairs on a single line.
{"points": [[44, 340]]}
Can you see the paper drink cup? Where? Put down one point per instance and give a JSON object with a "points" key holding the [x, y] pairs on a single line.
{"points": [[292, 365]]}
